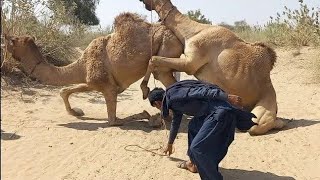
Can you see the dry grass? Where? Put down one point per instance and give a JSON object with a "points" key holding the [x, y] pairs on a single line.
{"points": [[57, 33], [292, 27]]}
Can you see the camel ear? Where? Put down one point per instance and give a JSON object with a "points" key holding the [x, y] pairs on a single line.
{"points": [[34, 38], [11, 41]]}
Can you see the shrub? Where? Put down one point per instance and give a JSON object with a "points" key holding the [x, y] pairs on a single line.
{"points": [[56, 32]]}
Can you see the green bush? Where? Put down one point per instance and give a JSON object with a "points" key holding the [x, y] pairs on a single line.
{"points": [[299, 27], [55, 30]]}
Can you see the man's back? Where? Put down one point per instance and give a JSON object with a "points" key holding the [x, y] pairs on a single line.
{"points": [[193, 98]]}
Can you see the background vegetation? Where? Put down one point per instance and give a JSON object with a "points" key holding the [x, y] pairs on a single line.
{"points": [[292, 27], [62, 25], [58, 25]]}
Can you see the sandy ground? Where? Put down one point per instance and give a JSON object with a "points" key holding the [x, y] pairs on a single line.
{"points": [[39, 140]]}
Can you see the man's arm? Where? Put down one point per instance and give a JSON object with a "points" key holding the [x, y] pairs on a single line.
{"points": [[175, 125]]}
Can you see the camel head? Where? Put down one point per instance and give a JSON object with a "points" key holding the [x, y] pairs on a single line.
{"points": [[152, 4], [19, 46]]}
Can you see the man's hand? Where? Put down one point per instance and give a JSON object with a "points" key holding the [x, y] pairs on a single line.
{"points": [[235, 100], [168, 149]]}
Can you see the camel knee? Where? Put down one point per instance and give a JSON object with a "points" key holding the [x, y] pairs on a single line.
{"points": [[266, 121], [64, 93], [262, 129]]}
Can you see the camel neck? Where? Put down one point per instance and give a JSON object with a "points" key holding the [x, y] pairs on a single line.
{"points": [[183, 27], [52, 75]]}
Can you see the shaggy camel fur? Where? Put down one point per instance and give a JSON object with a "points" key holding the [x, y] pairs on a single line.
{"points": [[109, 64], [215, 54]]}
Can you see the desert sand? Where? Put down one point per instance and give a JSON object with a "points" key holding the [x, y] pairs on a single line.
{"points": [[39, 140]]}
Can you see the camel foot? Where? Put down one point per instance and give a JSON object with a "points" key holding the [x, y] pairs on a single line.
{"points": [[280, 123], [118, 122], [254, 130], [262, 129], [155, 121], [145, 89], [76, 112], [145, 115]]}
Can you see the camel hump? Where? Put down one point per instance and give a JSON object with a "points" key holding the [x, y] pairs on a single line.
{"points": [[271, 53], [125, 18]]}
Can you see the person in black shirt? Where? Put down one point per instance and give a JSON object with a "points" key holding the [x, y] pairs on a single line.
{"points": [[215, 113]]}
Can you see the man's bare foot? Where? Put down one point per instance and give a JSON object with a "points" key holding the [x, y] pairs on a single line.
{"points": [[188, 165]]}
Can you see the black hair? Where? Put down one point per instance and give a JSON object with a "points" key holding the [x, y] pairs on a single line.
{"points": [[156, 95]]}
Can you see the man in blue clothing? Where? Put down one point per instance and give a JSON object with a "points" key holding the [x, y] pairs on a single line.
{"points": [[215, 113]]}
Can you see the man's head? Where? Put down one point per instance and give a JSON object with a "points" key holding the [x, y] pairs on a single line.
{"points": [[155, 97]]}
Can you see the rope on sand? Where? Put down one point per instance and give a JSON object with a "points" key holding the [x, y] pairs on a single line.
{"points": [[162, 121], [164, 127]]}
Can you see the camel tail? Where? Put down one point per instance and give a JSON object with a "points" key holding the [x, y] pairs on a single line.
{"points": [[271, 53]]}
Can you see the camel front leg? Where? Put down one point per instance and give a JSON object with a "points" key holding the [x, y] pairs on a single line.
{"points": [[66, 92], [144, 84], [266, 113], [110, 97], [165, 76], [111, 102], [188, 65]]}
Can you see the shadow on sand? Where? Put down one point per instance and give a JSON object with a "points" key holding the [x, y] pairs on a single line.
{"points": [[295, 123], [238, 174], [144, 126], [9, 136], [132, 124]]}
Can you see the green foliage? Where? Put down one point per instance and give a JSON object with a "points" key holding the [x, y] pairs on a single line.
{"points": [[299, 27], [92, 34], [228, 26], [83, 10], [56, 32], [198, 16], [242, 25]]}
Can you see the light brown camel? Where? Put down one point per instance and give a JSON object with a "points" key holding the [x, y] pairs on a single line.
{"points": [[215, 54], [109, 64]]}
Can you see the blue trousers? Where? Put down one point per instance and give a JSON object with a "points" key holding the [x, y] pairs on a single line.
{"points": [[208, 140]]}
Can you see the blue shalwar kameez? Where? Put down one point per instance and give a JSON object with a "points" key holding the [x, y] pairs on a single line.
{"points": [[212, 128]]}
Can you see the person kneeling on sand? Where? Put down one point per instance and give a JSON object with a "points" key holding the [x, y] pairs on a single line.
{"points": [[215, 113]]}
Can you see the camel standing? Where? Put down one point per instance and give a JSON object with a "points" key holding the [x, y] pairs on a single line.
{"points": [[215, 54], [109, 64]]}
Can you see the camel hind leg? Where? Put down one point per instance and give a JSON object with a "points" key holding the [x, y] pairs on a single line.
{"points": [[266, 113], [66, 92]]}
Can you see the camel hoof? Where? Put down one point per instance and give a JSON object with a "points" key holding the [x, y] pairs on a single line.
{"points": [[145, 92], [155, 121], [115, 124], [280, 123], [76, 112], [118, 122], [146, 115]]}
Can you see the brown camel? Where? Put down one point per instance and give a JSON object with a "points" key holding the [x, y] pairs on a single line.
{"points": [[215, 54], [109, 64]]}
